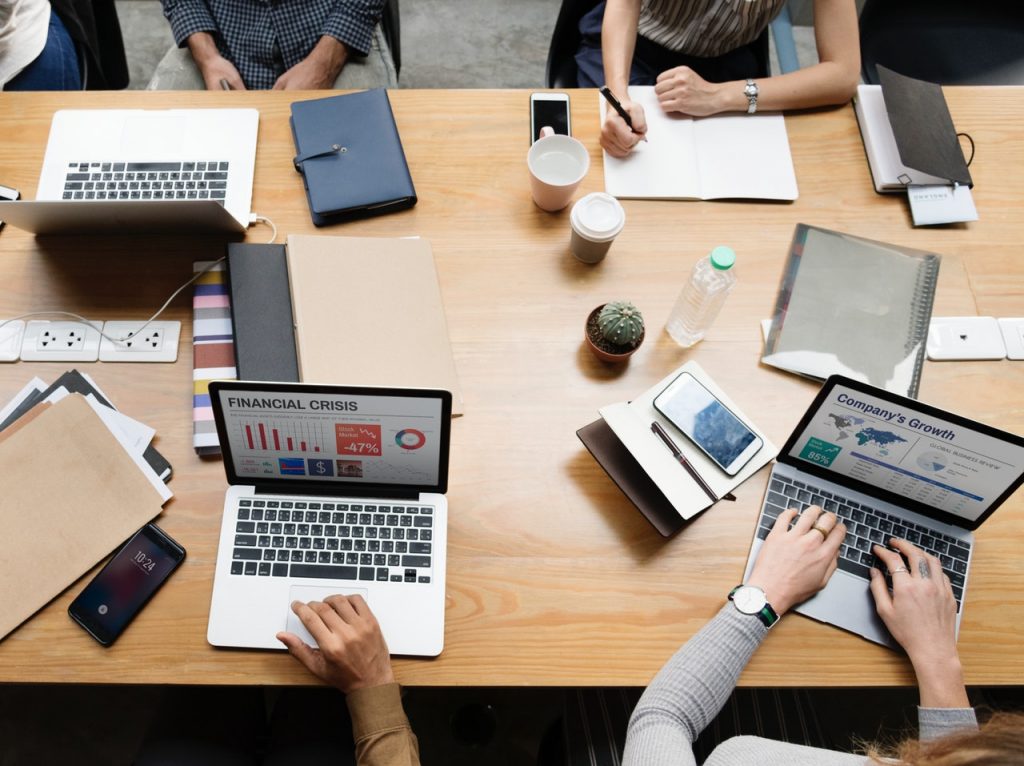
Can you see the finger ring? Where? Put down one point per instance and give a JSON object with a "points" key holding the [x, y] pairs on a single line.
{"points": [[824, 532], [897, 570]]}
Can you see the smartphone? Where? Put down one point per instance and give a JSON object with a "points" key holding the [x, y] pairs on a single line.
{"points": [[549, 109], [708, 423], [7, 193], [126, 583]]}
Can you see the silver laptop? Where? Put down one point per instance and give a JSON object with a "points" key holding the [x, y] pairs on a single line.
{"points": [[889, 466], [333, 489], [140, 170]]}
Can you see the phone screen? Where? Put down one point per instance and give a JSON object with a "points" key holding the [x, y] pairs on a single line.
{"points": [[706, 421], [123, 586], [553, 113]]}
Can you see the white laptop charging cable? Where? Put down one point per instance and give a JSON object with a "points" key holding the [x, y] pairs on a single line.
{"points": [[255, 218]]}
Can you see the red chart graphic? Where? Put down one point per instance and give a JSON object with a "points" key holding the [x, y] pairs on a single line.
{"points": [[358, 438]]}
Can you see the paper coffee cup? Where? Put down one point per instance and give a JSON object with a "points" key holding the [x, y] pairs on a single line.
{"points": [[557, 164], [596, 221]]}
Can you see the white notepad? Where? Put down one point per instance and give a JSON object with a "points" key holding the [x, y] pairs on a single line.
{"points": [[739, 156]]}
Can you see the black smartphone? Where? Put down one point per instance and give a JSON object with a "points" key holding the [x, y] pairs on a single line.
{"points": [[126, 583], [708, 423], [549, 109], [7, 193]]}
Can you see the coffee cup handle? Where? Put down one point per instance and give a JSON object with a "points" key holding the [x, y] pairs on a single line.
{"points": [[546, 131]]}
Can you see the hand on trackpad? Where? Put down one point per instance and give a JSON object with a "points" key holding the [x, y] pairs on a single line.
{"points": [[307, 593]]}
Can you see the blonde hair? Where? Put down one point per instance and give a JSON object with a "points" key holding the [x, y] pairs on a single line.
{"points": [[999, 742]]}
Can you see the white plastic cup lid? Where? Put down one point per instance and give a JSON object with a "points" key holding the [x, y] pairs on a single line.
{"points": [[598, 217]]}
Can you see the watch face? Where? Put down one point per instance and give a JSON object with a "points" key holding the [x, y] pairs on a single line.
{"points": [[749, 600]]}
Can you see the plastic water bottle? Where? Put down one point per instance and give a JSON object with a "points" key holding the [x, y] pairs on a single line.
{"points": [[703, 296]]}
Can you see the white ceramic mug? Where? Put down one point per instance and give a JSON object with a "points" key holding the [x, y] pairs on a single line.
{"points": [[557, 164]]}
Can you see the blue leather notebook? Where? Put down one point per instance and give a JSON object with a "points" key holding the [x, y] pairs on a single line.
{"points": [[350, 156]]}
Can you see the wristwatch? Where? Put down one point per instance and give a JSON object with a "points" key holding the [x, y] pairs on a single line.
{"points": [[750, 90], [750, 599]]}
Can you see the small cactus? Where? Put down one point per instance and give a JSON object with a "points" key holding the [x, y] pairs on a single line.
{"points": [[621, 323]]}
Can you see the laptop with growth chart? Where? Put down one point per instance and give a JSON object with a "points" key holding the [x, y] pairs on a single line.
{"points": [[143, 171], [889, 466], [333, 489]]}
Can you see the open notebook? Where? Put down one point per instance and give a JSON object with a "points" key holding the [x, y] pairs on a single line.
{"points": [[740, 156]]}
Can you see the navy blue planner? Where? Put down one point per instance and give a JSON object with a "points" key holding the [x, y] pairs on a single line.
{"points": [[350, 156]]}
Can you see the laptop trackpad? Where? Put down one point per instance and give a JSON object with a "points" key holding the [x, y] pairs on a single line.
{"points": [[307, 593], [149, 135]]}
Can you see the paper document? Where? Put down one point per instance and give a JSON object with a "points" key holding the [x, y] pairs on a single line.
{"points": [[739, 156]]}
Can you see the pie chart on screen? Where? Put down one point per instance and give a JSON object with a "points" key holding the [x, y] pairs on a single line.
{"points": [[410, 438]]}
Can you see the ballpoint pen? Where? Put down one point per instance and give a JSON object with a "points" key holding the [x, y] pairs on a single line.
{"points": [[224, 84], [607, 93], [681, 459]]}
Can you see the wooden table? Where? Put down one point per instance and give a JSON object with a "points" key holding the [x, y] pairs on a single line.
{"points": [[553, 577]]}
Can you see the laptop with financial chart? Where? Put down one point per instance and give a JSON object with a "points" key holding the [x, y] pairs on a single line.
{"points": [[333, 489], [889, 466]]}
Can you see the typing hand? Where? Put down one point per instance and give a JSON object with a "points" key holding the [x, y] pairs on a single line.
{"points": [[794, 564], [318, 70], [683, 90], [616, 137], [352, 654]]}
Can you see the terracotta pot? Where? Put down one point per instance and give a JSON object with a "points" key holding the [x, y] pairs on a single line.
{"points": [[600, 353]]}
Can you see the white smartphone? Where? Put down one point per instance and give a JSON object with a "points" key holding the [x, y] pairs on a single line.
{"points": [[708, 423], [551, 109]]}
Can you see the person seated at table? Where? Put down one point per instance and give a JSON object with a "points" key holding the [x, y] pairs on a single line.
{"points": [[284, 45], [700, 58], [792, 566], [36, 51]]}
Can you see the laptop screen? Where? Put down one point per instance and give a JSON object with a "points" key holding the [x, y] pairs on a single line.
{"points": [[917, 453], [294, 434]]}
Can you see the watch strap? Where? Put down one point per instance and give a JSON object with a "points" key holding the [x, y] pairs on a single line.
{"points": [[751, 92]]}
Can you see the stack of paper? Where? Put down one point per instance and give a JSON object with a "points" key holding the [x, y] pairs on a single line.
{"points": [[77, 478]]}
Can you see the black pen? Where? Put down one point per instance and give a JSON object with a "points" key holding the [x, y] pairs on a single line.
{"points": [[607, 93], [681, 459]]}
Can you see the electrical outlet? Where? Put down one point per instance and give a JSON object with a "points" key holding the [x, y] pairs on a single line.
{"points": [[11, 334], [156, 342], [61, 341]]}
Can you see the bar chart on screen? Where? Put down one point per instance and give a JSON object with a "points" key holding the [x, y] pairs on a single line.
{"points": [[284, 435]]}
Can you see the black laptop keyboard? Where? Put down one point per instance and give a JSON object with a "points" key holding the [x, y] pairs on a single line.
{"points": [[865, 526], [146, 180], [334, 541]]}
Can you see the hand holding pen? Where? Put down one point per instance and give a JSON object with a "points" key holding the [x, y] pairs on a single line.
{"points": [[618, 137]]}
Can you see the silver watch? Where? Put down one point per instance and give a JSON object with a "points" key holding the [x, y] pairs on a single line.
{"points": [[750, 90]]}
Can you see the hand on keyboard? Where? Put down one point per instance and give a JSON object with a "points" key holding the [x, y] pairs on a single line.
{"points": [[794, 564], [352, 654]]}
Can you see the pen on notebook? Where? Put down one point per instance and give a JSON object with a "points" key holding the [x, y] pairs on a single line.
{"points": [[681, 459], [224, 84], [607, 93]]}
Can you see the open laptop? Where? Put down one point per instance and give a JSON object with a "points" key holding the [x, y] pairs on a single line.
{"points": [[889, 466], [333, 489], [141, 170]]}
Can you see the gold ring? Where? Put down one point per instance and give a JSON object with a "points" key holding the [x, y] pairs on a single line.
{"points": [[897, 570], [824, 532]]}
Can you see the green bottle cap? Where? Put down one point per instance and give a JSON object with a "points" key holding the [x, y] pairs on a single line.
{"points": [[723, 258]]}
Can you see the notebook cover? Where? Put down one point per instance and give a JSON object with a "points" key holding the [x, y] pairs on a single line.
{"points": [[854, 307], [368, 174], [213, 350], [368, 312], [261, 313], [628, 476]]}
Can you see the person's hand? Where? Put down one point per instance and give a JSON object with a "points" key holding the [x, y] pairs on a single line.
{"points": [[794, 564], [616, 137], [212, 66], [352, 654], [318, 70], [683, 90]]}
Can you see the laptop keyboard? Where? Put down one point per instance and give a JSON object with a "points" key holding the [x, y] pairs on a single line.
{"points": [[146, 180], [865, 526], [334, 541]]}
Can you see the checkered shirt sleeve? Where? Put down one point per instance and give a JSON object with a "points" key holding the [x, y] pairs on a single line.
{"points": [[187, 17], [352, 22]]}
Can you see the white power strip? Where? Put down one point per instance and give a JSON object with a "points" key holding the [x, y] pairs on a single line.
{"points": [[70, 341]]}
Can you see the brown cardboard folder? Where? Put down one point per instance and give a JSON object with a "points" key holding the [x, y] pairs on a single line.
{"points": [[69, 495], [368, 312]]}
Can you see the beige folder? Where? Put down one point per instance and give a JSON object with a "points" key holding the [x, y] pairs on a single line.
{"points": [[368, 312], [69, 495]]}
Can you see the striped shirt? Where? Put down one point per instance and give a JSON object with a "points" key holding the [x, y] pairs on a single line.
{"points": [[263, 39], [706, 28]]}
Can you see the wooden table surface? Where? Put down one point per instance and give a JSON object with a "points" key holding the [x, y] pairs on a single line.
{"points": [[553, 577]]}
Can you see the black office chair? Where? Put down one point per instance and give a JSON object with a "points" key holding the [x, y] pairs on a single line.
{"points": [[565, 41], [389, 25], [950, 42]]}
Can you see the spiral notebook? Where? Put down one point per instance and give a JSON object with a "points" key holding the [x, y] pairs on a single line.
{"points": [[854, 307]]}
